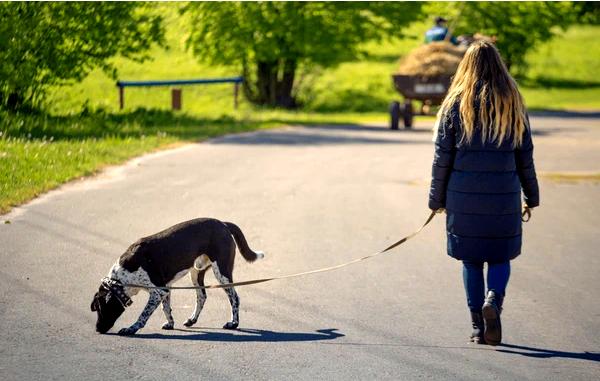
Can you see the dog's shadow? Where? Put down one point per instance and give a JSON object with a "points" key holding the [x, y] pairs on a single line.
{"points": [[243, 335]]}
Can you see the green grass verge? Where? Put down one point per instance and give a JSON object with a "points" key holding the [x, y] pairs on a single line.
{"points": [[539, 99], [565, 177], [30, 167], [564, 72], [40, 152]]}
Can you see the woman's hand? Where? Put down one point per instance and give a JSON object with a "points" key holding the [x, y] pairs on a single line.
{"points": [[526, 212]]}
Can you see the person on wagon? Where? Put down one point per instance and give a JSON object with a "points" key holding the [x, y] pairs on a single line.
{"points": [[439, 32]]}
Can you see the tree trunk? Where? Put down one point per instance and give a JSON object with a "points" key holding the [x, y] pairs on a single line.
{"points": [[14, 101], [264, 78], [286, 85], [247, 86], [274, 83]]}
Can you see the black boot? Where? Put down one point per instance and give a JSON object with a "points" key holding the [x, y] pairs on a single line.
{"points": [[492, 307], [477, 321]]}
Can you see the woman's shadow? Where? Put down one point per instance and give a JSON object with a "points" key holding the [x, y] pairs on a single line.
{"points": [[547, 353], [244, 335]]}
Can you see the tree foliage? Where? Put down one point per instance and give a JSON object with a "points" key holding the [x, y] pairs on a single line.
{"points": [[518, 26], [43, 44], [270, 40], [588, 12]]}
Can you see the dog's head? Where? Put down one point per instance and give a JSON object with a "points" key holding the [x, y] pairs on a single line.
{"points": [[109, 303]]}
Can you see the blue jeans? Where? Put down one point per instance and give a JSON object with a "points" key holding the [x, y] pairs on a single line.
{"points": [[497, 279]]}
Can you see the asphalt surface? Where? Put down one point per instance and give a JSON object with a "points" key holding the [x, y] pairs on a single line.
{"points": [[309, 197]]}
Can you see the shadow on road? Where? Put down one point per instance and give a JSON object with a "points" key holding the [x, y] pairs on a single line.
{"points": [[245, 335], [366, 127], [566, 114], [400, 345], [558, 130], [315, 136], [517, 349], [548, 353]]}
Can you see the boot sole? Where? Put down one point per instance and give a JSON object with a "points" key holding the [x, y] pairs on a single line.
{"points": [[493, 332], [478, 340]]}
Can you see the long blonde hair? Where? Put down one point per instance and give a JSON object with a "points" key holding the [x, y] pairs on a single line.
{"points": [[482, 77]]}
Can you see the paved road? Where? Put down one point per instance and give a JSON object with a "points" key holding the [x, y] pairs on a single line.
{"points": [[309, 197]]}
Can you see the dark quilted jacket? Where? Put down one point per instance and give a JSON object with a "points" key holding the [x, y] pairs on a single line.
{"points": [[480, 187]]}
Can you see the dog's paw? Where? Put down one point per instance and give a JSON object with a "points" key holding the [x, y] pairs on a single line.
{"points": [[168, 326], [127, 331], [230, 325], [189, 322]]}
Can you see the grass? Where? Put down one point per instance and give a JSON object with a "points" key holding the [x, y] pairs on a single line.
{"points": [[322, 91], [564, 72], [81, 129], [563, 75], [40, 152], [30, 167], [539, 99], [563, 177]]}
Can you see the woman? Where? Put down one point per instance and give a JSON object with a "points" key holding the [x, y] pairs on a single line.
{"points": [[483, 157]]}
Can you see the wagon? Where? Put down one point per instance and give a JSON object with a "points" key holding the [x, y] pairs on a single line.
{"points": [[430, 90]]}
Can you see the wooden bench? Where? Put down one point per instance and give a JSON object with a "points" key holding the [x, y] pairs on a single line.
{"points": [[176, 93]]}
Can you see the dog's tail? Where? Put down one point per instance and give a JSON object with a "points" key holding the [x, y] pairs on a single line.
{"points": [[247, 253]]}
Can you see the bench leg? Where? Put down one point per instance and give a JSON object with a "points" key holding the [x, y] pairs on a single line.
{"points": [[121, 97]]}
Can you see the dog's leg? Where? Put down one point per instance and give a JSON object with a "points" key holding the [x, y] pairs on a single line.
{"points": [[223, 275], [197, 280], [153, 301], [166, 304]]}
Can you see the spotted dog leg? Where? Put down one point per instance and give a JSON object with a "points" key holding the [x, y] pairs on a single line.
{"points": [[166, 304], [197, 280], [153, 301], [234, 299]]}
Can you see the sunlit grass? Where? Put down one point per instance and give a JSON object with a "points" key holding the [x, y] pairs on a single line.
{"points": [[564, 73], [40, 152], [30, 167], [586, 99], [571, 177]]}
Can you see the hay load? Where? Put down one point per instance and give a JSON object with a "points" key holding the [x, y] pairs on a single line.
{"points": [[436, 58]]}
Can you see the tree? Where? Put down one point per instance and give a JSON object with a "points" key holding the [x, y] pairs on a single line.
{"points": [[268, 41], [44, 44], [518, 26], [588, 12]]}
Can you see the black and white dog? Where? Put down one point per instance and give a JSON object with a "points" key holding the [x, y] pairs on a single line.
{"points": [[163, 258]]}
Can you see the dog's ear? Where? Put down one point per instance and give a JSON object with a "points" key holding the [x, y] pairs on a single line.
{"points": [[94, 305]]}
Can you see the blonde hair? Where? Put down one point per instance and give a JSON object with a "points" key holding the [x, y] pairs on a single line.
{"points": [[483, 80]]}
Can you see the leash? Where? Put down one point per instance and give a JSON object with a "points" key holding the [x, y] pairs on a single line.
{"points": [[321, 270]]}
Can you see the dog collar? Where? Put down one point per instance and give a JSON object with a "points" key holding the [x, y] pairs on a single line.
{"points": [[117, 289]]}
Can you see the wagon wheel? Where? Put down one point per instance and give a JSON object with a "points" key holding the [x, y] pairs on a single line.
{"points": [[407, 114], [395, 113]]}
